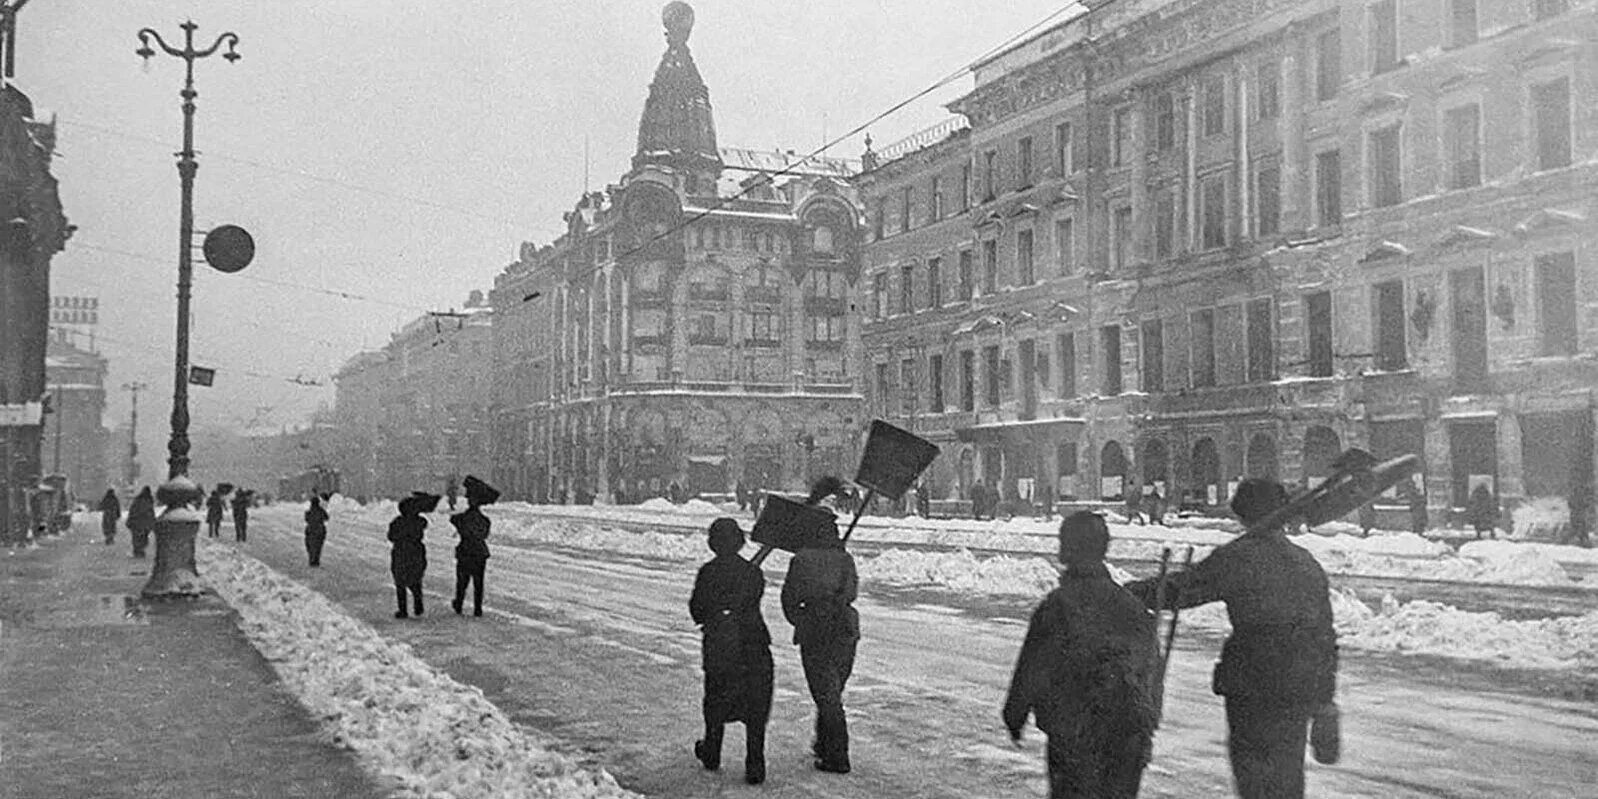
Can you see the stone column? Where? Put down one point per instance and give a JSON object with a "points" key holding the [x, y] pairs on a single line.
{"points": [[174, 574]]}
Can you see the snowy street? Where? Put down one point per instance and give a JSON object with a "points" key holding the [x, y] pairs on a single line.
{"points": [[596, 650]]}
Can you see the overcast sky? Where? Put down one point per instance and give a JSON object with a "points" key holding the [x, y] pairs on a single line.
{"points": [[400, 151]]}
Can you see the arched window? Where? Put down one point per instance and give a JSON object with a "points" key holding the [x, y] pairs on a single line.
{"points": [[1112, 472], [821, 239], [1207, 486], [1261, 458], [1156, 465], [1321, 448]]}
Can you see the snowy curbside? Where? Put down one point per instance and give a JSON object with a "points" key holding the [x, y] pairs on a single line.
{"points": [[429, 735]]}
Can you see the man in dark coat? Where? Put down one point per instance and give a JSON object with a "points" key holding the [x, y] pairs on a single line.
{"points": [[213, 513], [736, 650], [471, 554], [979, 500], [1278, 669], [1087, 672], [1418, 521], [241, 515], [141, 520], [1482, 510], [315, 530], [817, 599], [408, 559], [110, 514]]}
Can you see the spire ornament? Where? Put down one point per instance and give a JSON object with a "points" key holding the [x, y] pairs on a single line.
{"points": [[678, 17]]}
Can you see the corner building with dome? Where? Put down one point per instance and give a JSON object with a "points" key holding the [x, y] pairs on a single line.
{"points": [[696, 323]]}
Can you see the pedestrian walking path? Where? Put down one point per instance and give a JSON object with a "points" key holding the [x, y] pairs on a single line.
{"points": [[102, 695]]}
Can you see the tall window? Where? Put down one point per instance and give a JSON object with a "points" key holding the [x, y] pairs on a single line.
{"points": [[935, 196], [1153, 356], [990, 266], [1461, 22], [1164, 223], [965, 187], [934, 282], [1121, 137], [1026, 275], [879, 295], [1268, 201], [1064, 157], [1261, 341], [935, 384], [1550, 104], [1065, 345], [1329, 188], [1212, 96], [1121, 230], [884, 387], [990, 376], [1164, 121], [1203, 322], [1386, 176], [1384, 35], [1065, 245], [1390, 346], [968, 381], [966, 277], [879, 217], [1318, 332], [1462, 129], [1212, 212], [990, 174], [1110, 339], [1268, 89], [906, 197], [1023, 161], [1556, 301], [907, 289], [908, 389], [1328, 64]]}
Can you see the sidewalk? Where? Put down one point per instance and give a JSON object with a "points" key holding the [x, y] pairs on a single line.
{"points": [[102, 695]]}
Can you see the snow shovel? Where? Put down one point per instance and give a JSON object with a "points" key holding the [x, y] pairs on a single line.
{"points": [[1164, 647]]}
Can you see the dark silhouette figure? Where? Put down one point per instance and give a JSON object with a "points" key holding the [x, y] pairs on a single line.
{"points": [[213, 513], [1134, 505], [1156, 506], [110, 514], [1278, 669], [1482, 509], [315, 530], [471, 554], [141, 520], [736, 650], [818, 600], [241, 515], [1087, 672], [408, 559], [979, 500], [451, 491], [1417, 511]]}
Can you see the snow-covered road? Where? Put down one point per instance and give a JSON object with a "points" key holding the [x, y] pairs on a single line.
{"points": [[596, 650]]}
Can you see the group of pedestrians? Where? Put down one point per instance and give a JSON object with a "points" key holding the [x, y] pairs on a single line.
{"points": [[408, 557], [140, 520]]}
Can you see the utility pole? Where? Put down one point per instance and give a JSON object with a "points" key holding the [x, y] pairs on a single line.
{"points": [[133, 432]]}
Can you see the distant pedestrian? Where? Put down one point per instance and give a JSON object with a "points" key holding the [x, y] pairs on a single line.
{"points": [[408, 558], [742, 495], [241, 515], [1134, 505], [1418, 521], [1045, 496], [471, 554], [452, 489], [1156, 506], [1482, 510], [141, 520], [213, 513], [1087, 672], [818, 600], [923, 501], [979, 500], [110, 514], [315, 530], [735, 650]]}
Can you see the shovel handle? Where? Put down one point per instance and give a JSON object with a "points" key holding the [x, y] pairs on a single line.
{"points": [[871, 493]]}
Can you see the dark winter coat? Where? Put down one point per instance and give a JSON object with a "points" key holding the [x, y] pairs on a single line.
{"points": [[818, 596], [735, 645], [1482, 509], [141, 512], [213, 508], [241, 508], [472, 526], [1088, 667], [110, 509], [316, 521], [408, 560], [1283, 648]]}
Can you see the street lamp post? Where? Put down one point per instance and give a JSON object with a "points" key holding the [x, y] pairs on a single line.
{"points": [[178, 446]]}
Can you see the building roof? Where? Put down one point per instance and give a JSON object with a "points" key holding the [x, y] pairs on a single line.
{"points": [[677, 124]]}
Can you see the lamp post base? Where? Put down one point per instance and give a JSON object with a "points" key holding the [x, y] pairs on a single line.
{"points": [[174, 574]]}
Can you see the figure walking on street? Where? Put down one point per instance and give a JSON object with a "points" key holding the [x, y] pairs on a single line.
{"points": [[735, 650], [1482, 510], [141, 520], [110, 514], [1278, 668], [1417, 511], [315, 530], [408, 559], [213, 513], [1087, 673], [471, 554], [818, 600], [451, 491], [1134, 505], [241, 515]]}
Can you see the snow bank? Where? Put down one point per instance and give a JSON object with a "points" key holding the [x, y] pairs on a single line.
{"points": [[430, 735], [1542, 519], [693, 507]]}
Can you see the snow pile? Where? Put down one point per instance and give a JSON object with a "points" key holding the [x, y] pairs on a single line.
{"points": [[1409, 556], [962, 571], [1429, 628], [1491, 549], [577, 535], [430, 735], [693, 507], [1542, 519]]}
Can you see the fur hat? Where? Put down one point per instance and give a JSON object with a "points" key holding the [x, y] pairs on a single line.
{"points": [[479, 492], [726, 537], [1084, 538], [1258, 497]]}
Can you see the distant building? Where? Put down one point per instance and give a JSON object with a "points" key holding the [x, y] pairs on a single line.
{"points": [[695, 324], [32, 230], [75, 437], [1182, 243]]}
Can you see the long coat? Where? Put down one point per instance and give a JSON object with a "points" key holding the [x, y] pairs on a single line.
{"points": [[213, 509], [141, 513], [408, 560], [472, 526], [736, 645], [316, 522], [110, 509]]}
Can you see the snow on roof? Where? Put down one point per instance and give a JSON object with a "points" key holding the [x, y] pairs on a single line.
{"points": [[787, 161]]}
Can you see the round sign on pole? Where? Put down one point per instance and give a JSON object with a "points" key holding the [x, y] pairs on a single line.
{"points": [[228, 248]]}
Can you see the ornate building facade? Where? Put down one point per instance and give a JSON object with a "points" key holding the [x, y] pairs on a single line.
{"points": [[1185, 242], [75, 436], [695, 324]]}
